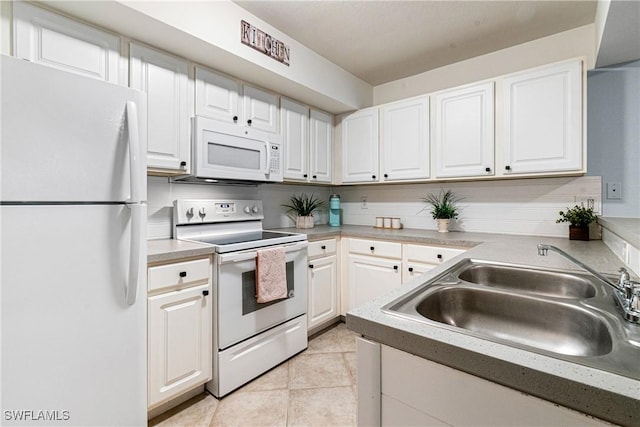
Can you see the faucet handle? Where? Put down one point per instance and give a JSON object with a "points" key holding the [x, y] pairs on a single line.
{"points": [[624, 276]]}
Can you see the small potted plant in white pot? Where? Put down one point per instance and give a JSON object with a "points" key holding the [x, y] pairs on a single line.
{"points": [[443, 208], [303, 207], [579, 219]]}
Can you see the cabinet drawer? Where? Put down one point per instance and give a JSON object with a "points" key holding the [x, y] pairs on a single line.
{"points": [[376, 248], [321, 248], [179, 274], [430, 254]]}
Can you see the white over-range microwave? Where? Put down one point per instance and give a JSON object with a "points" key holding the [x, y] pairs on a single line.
{"points": [[225, 151]]}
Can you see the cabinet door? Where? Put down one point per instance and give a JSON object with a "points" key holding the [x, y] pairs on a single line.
{"points": [[295, 134], [406, 139], [370, 277], [50, 39], [260, 109], [164, 79], [323, 301], [179, 342], [412, 269], [320, 146], [217, 96], [543, 120], [464, 132], [360, 146]]}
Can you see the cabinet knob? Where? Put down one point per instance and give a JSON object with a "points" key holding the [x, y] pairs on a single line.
{"points": [[439, 256], [305, 175], [395, 267], [314, 177], [373, 248], [310, 265], [507, 168], [410, 269], [249, 122], [487, 169], [235, 119], [183, 274], [183, 164], [205, 293], [323, 247], [373, 176], [386, 175]]}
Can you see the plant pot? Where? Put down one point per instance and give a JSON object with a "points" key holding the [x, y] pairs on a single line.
{"points": [[577, 232], [443, 225], [305, 222]]}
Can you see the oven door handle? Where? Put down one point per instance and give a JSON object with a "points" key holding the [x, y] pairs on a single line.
{"points": [[251, 254]]}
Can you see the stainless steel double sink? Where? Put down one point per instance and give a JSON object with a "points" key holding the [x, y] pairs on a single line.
{"points": [[565, 315]]}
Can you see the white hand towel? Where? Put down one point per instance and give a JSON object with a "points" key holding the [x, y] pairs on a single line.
{"points": [[271, 275]]}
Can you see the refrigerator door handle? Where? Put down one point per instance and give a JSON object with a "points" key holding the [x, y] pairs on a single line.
{"points": [[134, 151], [131, 288]]}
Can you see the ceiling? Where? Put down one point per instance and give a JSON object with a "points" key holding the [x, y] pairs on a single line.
{"points": [[382, 41]]}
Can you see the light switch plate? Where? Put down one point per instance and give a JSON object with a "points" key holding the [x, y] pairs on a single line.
{"points": [[614, 190]]}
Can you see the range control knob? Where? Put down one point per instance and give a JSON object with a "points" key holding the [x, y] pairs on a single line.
{"points": [[247, 210], [255, 209], [202, 212], [190, 212]]}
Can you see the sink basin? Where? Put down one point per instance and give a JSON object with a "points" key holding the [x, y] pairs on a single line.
{"points": [[560, 314], [555, 284], [521, 319]]}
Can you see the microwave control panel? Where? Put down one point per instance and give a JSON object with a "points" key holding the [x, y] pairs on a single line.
{"points": [[275, 167]]}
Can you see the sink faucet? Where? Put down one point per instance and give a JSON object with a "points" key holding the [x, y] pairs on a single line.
{"points": [[626, 292]]}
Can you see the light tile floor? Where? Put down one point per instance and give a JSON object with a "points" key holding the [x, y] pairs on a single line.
{"points": [[315, 388]]}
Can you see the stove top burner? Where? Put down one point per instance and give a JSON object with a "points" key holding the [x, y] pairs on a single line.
{"points": [[243, 237]]}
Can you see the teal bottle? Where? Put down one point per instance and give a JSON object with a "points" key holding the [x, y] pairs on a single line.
{"points": [[334, 210]]}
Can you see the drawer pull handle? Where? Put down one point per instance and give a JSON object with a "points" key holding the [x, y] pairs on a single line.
{"points": [[372, 248], [323, 247], [249, 122], [310, 265], [373, 177], [410, 269], [314, 177], [235, 119], [439, 256], [183, 274], [304, 176], [487, 169], [183, 164], [507, 168], [205, 293], [395, 267]]}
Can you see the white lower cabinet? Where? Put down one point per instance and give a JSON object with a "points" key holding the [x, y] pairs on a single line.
{"points": [[322, 283], [179, 336], [403, 389], [418, 259], [374, 269]]}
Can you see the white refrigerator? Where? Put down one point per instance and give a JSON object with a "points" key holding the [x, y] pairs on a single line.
{"points": [[73, 249]]}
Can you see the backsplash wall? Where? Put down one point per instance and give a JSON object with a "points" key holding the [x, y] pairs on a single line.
{"points": [[523, 206], [161, 193]]}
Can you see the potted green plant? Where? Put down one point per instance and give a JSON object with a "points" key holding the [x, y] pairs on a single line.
{"points": [[579, 219], [443, 208], [303, 206]]}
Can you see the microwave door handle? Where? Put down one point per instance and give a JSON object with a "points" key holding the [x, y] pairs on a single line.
{"points": [[268, 156]]}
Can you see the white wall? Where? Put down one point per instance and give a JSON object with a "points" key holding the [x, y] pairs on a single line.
{"points": [[522, 206], [579, 42], [162, 193], [613, 134]]}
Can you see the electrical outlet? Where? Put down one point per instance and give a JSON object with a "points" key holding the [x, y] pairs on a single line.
{"points": [[363, 202], [614, 190], [592, 202]]}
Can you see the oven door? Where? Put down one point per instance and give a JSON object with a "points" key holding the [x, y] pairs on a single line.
{"points": [[238, 315], [226, 151]]}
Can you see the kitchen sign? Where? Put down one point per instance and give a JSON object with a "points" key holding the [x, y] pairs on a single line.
{"points": [[263, 42]]}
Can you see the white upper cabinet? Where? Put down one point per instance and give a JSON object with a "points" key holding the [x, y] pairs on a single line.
{"points": [[320, 146], [360, 146], [164, 79], [217, 96], [295, 135], [542, 123], [464, 131], [50, 39], [405, 139], [260, 109], [224, 98]]}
